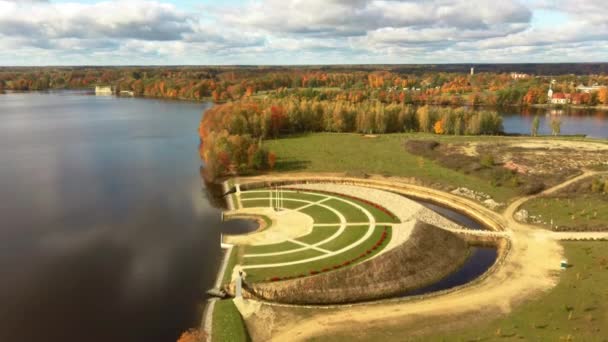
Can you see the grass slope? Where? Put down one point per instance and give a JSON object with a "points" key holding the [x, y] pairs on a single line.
{"points": [[227, 323]]}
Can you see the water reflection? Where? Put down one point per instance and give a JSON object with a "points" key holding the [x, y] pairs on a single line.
{"points": [[575, 121], [106, 233]]}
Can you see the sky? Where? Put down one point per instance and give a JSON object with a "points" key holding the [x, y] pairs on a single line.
{"points": [[288, 32]]}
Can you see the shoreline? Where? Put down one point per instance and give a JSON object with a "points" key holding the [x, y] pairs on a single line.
{"points": [[207, 318]]}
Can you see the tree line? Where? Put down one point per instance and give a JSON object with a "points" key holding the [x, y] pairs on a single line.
{"points": [[382, 83], [232, 134]]}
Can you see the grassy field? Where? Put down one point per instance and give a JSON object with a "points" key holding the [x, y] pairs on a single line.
{"points": [[577, 213], [575, 310], [227, 323], [384, 155]]}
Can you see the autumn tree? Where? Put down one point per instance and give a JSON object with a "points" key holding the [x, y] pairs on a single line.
{"points": [[602, 95], [438, 127], [277, 119], [272, 159], [192, 335]]}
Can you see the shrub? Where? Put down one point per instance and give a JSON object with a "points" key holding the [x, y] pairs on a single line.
{"points": [[487, 160], [596, 185], [421, 147], [314, 272], [532, 188]]}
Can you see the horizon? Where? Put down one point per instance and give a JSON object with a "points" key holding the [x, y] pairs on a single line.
{"points": [[311, 33]]}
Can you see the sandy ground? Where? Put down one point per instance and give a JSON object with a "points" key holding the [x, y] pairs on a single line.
{"points": [[286, 225], [560, 144], [531, 267], [470, 149]]}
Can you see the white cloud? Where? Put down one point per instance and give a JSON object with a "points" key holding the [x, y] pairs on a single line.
{"points": [[296, 31]]}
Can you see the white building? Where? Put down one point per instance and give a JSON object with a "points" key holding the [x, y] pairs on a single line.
{"points": [[588, 90], [103, 90]]}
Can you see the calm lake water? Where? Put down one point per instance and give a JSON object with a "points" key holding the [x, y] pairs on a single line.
{"points": [[107, 234], [593, 123]]}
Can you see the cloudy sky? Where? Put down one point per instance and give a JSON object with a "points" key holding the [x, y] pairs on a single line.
{"points": [[88, 32]]}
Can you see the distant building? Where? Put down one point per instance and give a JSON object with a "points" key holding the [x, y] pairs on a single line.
{"points": [[561, 98], [127, 93], [103, 90], [472, 71], [519, 76], [589, 90]]}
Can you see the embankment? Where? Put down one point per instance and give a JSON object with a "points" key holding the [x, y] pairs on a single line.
{"points": [[427, 256]]}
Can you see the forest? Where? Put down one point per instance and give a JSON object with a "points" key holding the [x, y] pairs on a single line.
{"points": [[264, 102]]}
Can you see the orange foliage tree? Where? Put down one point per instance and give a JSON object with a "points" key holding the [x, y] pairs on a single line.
{"points": [[438, 127], [602, 95]]}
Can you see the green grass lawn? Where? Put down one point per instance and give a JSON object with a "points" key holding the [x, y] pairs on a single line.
{"points": [[575, 310], [286, 195], [319, 234], [287, 203], [577, 307], [295, 256], [262, 274], [256, 203], [350, 235], [350, 212], [271, 248], [584, 212], [320, 214], [384, 155], [232, 261], [254, 194], [227, 323]]}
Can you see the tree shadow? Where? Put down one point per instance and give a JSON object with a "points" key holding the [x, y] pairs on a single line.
{"points": [[291, 165]]}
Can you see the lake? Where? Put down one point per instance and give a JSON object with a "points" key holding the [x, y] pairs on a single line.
{"points": [[591, 122], [107, 234]]}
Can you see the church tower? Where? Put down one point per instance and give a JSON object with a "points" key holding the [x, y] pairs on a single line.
{"points": [[550, 92]]}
